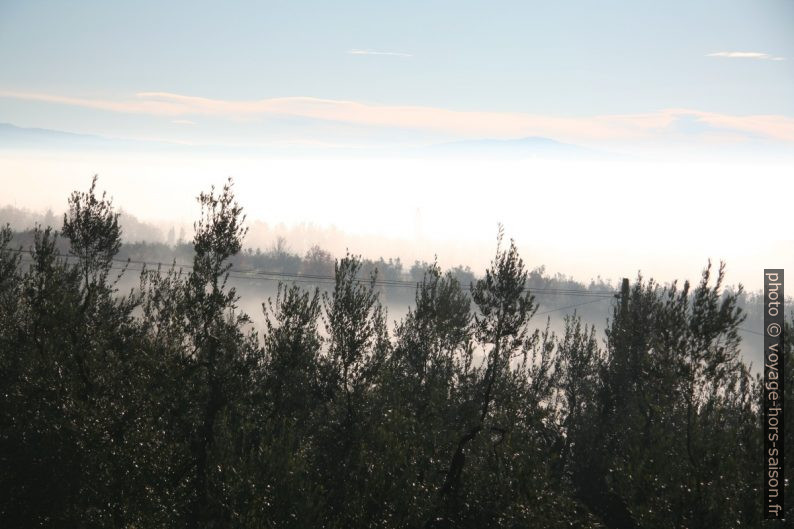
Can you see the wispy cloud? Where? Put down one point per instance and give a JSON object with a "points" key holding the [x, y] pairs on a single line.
{"points": [[746, 55], [374, 52], [457, 123]]}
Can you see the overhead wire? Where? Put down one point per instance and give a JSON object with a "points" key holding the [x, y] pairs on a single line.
{"points": [[317, 279], [268, 275]]}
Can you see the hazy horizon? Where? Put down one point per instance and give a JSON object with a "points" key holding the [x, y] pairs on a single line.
{"points": [[592, 244], [599, 157]]}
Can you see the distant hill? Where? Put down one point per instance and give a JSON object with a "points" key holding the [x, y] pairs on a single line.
{"points": [[14, 137]]}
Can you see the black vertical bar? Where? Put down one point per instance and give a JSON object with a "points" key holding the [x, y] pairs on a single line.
{"points": [[773, 395]]}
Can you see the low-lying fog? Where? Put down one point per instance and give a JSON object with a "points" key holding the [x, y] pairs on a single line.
{"points": [[584, 221]]}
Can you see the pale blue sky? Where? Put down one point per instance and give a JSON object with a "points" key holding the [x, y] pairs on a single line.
{"points": [[557, 59], [633, 77]]}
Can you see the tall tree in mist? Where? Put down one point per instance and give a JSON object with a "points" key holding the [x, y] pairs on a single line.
{"points": [[70, 378], [355, 323], [222, 360], [507, 395]]}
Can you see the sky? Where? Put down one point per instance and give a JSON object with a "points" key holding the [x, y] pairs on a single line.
{"points": [[332, 71], [345, 111]]}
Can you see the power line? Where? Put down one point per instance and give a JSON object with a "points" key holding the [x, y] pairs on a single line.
{"points": [[254, 274], [266, 275], [124, 268], [570, 306]]}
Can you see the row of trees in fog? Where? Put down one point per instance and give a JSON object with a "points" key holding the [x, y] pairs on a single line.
{"points": [[165, 407], [279, 258]]}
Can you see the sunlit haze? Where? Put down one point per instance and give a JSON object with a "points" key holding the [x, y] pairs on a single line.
{"points": [[373, 133], [585, 219]]}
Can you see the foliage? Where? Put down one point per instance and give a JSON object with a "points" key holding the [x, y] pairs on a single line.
{"points": [[166, 407]]}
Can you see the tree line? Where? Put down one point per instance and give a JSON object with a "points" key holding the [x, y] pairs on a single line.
{"points": [[280, 258], [165, 407]]}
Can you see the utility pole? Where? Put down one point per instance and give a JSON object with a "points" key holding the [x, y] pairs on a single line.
{"points": [[624, 295]]}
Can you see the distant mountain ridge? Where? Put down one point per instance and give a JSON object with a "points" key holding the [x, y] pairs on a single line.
{"points": [[12, 136], [15, 137]]}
